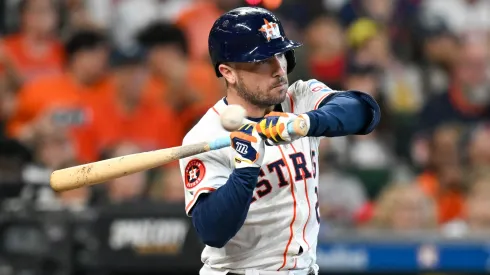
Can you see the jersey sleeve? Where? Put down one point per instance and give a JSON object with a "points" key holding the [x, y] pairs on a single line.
{"points": [[202, 174], [305, 96]]}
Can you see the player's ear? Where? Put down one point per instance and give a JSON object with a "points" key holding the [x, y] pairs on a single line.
{"points": [[228, 73]]}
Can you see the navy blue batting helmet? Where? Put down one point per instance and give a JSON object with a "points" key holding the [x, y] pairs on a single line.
{"points": [[249, 34]]}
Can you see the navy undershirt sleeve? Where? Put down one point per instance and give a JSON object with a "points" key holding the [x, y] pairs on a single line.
{"points": [[219, 215], [344, 113]]}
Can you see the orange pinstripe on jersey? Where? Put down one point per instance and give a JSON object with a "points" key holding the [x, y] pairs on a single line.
{"points": [[214, 109], [309, 207], [320, 100], [294, 209], [199, 191], [291, 102]]}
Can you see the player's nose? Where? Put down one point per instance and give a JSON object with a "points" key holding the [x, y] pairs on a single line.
{"points": [[279, 66]]}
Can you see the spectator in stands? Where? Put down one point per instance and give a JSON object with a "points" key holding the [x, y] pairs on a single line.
{"points": [[379, 10], [126, 115], [401, 82], [55, 150], [478, 205], [478, 149], [168, 186], [76, 15], [468, 97], [476, 218], [326, 53], [439, 49], [466, 100], [397, 16], [7, 104], [128, 188], [442, 178], [197, 20], [35, 50], [403, 208], [122, 19], [186, 86], [461, 15], [59, 103]]}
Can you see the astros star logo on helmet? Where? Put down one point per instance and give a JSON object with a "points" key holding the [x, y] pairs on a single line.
{"points": [[270, 30]]}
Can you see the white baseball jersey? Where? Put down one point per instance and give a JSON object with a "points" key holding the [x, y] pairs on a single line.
{"points": [[281, 228]]}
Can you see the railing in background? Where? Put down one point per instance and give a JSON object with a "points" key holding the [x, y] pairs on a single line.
{"points": [[158, 238]]}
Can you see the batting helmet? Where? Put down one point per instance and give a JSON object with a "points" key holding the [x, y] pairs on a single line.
{"points": [[249, 34]]}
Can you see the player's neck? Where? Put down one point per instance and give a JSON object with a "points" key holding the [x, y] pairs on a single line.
{"points": [[253, 111]]}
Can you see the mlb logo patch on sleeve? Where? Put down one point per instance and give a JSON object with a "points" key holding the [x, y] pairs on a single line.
{"points": [[194, 173]]}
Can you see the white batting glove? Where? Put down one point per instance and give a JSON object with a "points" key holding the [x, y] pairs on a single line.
{"points": [[274, 127], [248, 145]]}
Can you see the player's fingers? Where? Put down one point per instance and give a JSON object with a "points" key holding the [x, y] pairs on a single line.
{"points": [[261, 127], [276, 136], [264, 127], [268, 129], [259, 131], [273, 132], [280, 128]]}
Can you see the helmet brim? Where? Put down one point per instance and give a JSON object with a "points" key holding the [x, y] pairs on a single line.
{"points": [[268, 50]]}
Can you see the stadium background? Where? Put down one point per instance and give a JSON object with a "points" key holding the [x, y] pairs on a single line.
{"points": [[83, 80]]}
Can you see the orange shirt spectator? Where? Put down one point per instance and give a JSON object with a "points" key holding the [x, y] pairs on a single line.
{"points": [[34, 51], [29, 64], [200, 90], [189, 87], [59, 96], [196, 22], [126, 114], [59, 104], [449, 202], [147, 125]]}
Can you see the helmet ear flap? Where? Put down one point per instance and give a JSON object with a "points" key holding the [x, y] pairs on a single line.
{"points": [[291, 59]]}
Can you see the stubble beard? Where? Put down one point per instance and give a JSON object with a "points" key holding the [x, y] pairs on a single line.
{"points": [[258, 96]]}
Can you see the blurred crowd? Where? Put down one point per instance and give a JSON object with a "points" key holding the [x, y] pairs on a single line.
{"points": [[85, 80]]}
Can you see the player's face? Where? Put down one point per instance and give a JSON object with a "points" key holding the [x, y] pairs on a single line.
{"points": [[263, 83]]}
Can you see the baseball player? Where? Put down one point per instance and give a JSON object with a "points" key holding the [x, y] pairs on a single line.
{"points": [[255, 204]]}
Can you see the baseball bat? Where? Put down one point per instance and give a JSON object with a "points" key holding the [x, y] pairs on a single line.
{"points": [[109, 169]]}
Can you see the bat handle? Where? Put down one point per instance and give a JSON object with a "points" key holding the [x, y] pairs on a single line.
{"points": [[219, 143]]}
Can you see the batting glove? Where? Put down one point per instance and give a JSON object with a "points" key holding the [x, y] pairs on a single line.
{"points": [[274, 127], [249, 146]]}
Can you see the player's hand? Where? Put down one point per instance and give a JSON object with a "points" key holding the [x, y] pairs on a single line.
{"points": [[248, 145], [274, 127]]}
